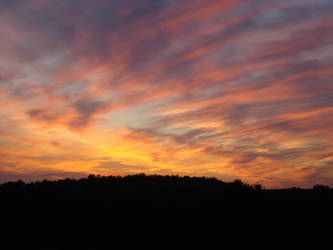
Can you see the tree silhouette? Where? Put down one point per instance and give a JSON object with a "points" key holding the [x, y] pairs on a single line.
{"points": [[109, 212], [319, 187]]}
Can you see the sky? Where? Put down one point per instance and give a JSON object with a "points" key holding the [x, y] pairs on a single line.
{"points": [[233, 89]]}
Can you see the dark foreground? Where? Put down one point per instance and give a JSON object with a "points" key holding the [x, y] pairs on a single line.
{"points": [[161, 212]]}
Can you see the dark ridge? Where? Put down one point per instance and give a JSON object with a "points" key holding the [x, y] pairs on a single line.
{"points": [[160, 212]]}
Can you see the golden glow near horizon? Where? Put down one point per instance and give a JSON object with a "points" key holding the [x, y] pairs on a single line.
{"points": [[230, 89]]}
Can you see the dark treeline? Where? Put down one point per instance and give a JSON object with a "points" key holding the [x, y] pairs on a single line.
{"points": [[162, 212]]}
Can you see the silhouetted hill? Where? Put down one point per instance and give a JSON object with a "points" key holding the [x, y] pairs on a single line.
{"points": [[162, 212]]}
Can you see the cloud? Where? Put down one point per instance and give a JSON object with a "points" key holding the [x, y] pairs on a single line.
{"points": [[229, 88], [6, 176], [86, 109], [42, 115], [119, 167]]}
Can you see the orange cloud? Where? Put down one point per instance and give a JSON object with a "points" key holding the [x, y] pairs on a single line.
{"points": [[231, 89]]}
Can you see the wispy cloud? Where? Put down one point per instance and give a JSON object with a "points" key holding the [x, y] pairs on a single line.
{"points": [[232, 89]]}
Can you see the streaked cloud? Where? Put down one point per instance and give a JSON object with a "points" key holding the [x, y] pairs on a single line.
{"points": [[231, 89]]}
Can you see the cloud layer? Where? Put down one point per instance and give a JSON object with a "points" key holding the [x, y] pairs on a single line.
{"points": [[231, 89]]}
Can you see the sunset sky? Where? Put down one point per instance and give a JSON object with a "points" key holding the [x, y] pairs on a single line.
{"points": [[232, 89]]}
